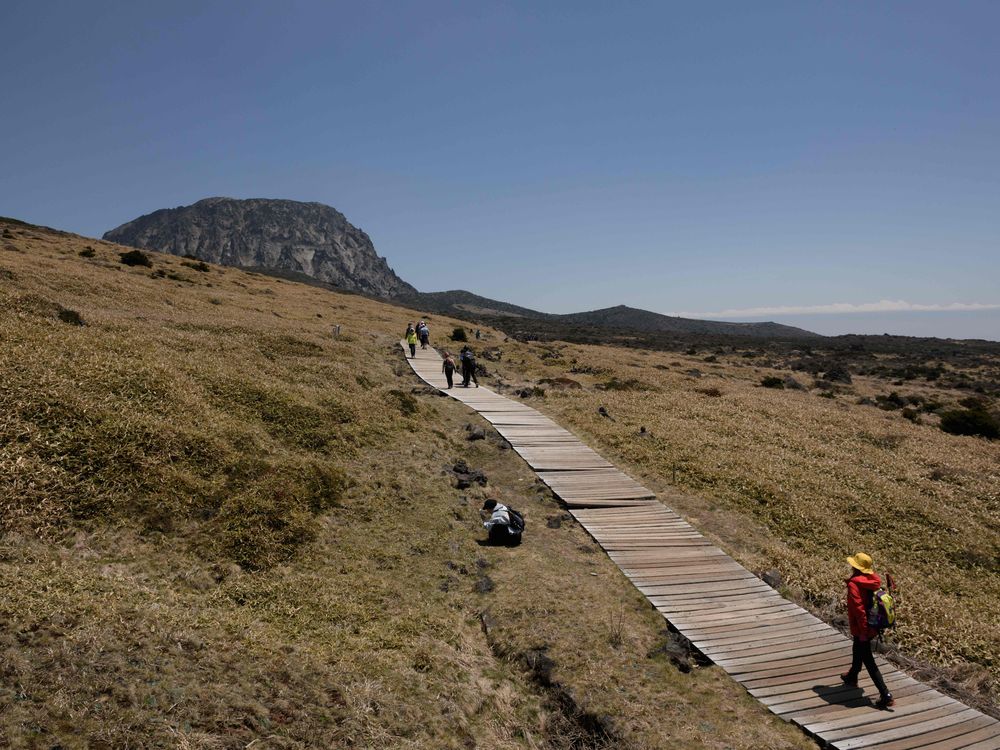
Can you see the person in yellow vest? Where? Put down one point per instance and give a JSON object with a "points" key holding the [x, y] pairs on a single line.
{"points": [[411, 339]]}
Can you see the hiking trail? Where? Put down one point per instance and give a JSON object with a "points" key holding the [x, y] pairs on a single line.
{"points": [[785, 657]]}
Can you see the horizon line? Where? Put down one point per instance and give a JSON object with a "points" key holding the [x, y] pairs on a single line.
{"points": [[844, 308]]}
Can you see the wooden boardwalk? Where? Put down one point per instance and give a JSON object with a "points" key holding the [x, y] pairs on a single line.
{"points": [[785, 657]]}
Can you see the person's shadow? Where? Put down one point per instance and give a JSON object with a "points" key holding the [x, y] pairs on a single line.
{"points": [[843, 695]]}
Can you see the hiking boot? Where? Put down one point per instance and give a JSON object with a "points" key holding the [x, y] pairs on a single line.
{"points": [[886, 701], [848, 680]]}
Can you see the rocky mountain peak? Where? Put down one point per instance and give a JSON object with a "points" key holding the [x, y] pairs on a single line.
{"points": [[282, 235]]}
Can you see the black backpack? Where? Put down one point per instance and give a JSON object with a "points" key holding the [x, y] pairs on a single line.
{"points": [[516, 520]]}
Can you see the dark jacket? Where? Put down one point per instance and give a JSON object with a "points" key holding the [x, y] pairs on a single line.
{"points": [[860, 588]]}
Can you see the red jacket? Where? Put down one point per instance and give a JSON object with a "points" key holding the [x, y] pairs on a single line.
{"points": [[860, 588]]}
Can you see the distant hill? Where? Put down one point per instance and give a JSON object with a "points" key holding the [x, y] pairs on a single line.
{"points": [[280, 235], [633, 319], [463, 304]]}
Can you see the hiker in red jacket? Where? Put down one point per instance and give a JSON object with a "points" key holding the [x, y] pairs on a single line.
{"points": [[861, 588]]}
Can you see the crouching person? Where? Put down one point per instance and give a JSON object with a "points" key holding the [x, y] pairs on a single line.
{"points": [[505, 524]]}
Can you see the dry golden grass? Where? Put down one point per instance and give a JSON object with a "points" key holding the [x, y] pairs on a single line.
{"points": [[794, 481], [220, 527]]}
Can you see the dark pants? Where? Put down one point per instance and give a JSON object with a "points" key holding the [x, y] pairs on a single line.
{"points": [[413, 350], [469, 373], [449, 373], [861, 653], [500, 536]]}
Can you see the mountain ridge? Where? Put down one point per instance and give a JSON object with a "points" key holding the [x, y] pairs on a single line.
{"points": [[461, 303], [310, 240]]}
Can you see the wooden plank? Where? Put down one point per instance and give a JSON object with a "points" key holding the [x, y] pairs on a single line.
{"points": [[788, 617], [810, 685], [955, 737], [719, 653], [914, 728], [701, 622], [717, 609], [767, 635], [884, 722], [846, 721], [822, 706], [798, 702], [804, 669], [805, 655]]}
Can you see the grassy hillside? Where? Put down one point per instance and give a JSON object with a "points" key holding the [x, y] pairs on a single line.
{"points": [[221, 527], [796, 479]]}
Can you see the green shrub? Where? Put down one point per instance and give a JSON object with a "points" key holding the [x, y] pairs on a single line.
{"points": [[977, 422], [459, 334], [772, 381], [87, 252]]}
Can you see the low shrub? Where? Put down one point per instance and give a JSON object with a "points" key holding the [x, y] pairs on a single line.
{"points": [[837, 374], [772, 381], [199, 266], [267, 520], [459, 334], [891, 402], [627, 384], [135, 258], [87, 252], [561, 382], [72, 317], [406, 403], [977, 422]]}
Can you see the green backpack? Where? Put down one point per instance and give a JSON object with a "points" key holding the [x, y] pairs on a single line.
{"points": [[882, 611]]}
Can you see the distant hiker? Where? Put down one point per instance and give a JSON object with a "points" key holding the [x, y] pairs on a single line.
{"points": [[468, 360], [861, 588], [424, 333], [411, 339], [505, 524], [478, 334], [448, 368]]}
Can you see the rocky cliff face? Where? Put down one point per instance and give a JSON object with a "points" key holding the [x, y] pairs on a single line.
{"points": [[307, 238]]}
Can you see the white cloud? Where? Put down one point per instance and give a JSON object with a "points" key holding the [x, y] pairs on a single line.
{"points": [[838, 308]]}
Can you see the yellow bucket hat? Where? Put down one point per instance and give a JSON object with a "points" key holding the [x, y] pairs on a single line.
{"points": [[861, 562]]}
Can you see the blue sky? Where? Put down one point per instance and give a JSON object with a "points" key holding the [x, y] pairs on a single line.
{"points": [[705, 158]]}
